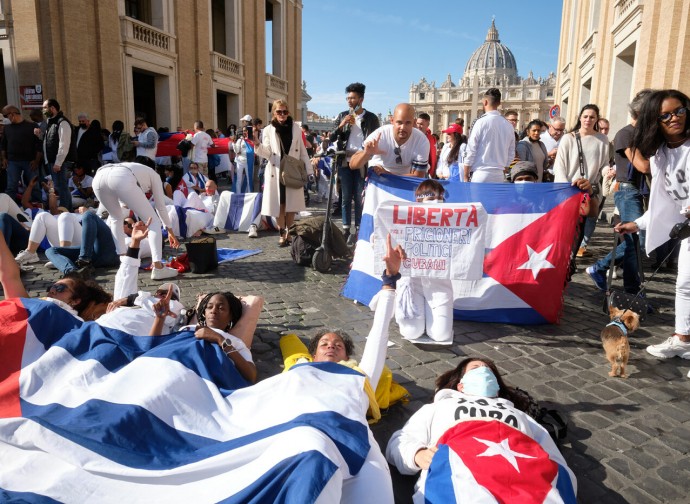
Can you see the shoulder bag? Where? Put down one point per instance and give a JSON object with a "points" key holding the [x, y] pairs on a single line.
{"points": [[293, 173], [593, 201]]}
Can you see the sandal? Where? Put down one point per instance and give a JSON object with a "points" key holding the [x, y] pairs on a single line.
{"points": [[283, 240]]}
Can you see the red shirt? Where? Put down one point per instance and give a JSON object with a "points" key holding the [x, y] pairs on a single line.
{"points": [[432, 154]]}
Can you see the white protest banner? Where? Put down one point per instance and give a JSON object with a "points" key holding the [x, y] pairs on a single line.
{"points": [[441, 240]]}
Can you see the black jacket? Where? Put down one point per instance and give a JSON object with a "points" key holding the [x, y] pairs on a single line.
{"points": [[52, 140], [370, 123]]}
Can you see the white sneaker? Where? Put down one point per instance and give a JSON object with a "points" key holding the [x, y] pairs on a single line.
{"points": [[49, 265], [213, 230], [252, 231], [672, 347], [618, 272], [26, 257], [163, 273]]}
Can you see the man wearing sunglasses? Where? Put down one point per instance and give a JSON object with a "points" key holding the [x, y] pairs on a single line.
{"points": [[398, 148], [552, 137]]}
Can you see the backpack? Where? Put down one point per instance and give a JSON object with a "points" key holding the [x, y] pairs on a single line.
{"points": [[302, 251]]}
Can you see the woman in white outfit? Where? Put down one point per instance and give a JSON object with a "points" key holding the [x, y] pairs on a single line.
{"points": [[128, 183], [662, 134], [241, 163], [283, 135]]}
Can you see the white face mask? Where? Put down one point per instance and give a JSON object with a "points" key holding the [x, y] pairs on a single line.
{"points": [[433, 201], [524, 182]]}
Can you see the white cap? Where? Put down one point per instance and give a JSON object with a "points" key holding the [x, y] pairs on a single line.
{"points": [[166, 286], [246, 118]]}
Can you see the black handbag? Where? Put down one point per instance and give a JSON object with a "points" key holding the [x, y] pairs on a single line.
{"points": [[625, 300], [202, 253]]}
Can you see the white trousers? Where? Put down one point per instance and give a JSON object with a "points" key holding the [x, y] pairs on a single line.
{"points": [[432, 300], [66, 227], [8, 205], [240, 173], [683, 289], [490, 176], [116, 183]]}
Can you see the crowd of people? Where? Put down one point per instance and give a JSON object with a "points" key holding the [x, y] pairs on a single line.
{"points": [[92, 198]]}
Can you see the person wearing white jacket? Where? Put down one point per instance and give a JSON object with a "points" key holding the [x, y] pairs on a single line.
{"points": [[283, 136], [128, 183]]}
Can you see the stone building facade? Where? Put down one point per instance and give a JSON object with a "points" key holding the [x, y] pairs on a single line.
{"points": [[610, 50], [174, 61], [491, 65]]}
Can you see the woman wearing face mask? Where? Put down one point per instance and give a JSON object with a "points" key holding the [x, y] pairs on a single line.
{"points": [[426, 303], [531, 148], [475, 392]]}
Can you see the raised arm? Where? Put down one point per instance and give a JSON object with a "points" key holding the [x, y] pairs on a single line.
{"points": [[374, 354], [9, 273]]}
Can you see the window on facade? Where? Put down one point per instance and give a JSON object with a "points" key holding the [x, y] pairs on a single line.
{"points": [[273, 38], [549, 93], [223, 24], [139, 10], [422, 96]]}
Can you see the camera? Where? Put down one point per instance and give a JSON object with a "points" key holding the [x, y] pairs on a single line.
{"points": [[681, 230]]}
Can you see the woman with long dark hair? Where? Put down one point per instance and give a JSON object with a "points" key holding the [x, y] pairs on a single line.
{"points": [[450, 158], [531, 148], [662, 134], [473, 411]]}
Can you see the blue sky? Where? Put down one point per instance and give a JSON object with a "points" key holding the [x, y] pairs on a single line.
{"points": [[388, 44]]}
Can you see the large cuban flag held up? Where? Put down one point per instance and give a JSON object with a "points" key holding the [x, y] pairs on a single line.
{"points": [[95, 415], [531, 228]]}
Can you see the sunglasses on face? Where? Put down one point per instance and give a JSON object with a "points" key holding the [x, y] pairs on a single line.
{"points": [[398, 156], [281, 112], [58, 288], [163, 293], [130, 225], [679, 112]]}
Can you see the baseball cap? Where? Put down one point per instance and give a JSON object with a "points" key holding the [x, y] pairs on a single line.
{"points": [[453, 128], [246, 118], [166, 286]]}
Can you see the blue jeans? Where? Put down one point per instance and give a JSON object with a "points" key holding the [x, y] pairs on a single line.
{"points": [[60, 185], [17, 169], [352, 185], [629, 203], [15, 235], [97, 246], [590, 225]]}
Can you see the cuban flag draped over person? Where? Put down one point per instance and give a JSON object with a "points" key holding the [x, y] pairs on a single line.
{"points": [[488, 461], [89, 414], [531, 228], [238, 211]]}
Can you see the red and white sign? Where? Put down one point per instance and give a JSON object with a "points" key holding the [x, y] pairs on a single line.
{"points": [[31, 97], [554, 111], [441, 240]]}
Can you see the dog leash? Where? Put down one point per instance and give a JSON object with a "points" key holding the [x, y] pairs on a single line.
{"points": [[643, 282]]}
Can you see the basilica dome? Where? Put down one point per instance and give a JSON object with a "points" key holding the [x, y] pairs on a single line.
{"points": [[492, 58]]}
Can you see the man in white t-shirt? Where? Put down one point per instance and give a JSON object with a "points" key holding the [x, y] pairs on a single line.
{"points": [[491, 146], [397, 148], [552, 137], [202, 141]]}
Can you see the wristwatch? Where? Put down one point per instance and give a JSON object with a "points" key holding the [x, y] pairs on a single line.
{"points": [[226, 346]]}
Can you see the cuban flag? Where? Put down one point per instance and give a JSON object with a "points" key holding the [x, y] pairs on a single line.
{"points": [[89, 414], [492, 462], [167, 144], [531, 228], [238, 211]]}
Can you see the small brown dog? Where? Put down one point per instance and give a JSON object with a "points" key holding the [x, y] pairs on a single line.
{"points": [[615, 339]]}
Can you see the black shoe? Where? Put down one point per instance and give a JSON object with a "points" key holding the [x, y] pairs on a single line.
{"points": [[80, 263], [337, 212]]}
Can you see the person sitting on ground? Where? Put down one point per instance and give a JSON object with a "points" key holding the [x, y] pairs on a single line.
{"points": [[425, 303], [85, 300], [97, 249], [79, 186], [194, 179], [474, 415]]}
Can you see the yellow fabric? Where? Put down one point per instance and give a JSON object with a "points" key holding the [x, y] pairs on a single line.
{"points": [[388, 391]]}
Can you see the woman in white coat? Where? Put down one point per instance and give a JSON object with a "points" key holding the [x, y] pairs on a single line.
{"points": [[280, 201]]}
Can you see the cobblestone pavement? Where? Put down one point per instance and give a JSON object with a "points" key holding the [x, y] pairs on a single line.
{"points": [[628, 439]]}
